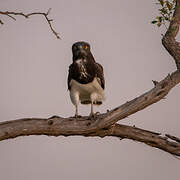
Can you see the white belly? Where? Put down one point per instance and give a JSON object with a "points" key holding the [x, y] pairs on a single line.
{"points": [[86, 92]]}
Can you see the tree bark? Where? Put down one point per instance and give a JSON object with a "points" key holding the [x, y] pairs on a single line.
{"points": [[71, 126]]}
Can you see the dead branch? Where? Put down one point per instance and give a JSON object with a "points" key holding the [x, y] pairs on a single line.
{"points": [[12, 14], [59, 126]]}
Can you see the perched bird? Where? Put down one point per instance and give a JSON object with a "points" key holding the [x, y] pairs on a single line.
{"points": [[86, 78]]}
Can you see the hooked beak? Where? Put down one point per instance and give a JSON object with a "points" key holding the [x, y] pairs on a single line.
{"points": [[80, 52]]}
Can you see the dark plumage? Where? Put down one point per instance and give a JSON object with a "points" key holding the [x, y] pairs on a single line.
{"points": [[85, 79]]}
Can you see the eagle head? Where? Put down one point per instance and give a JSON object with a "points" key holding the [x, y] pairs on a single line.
{"points": [[80, 50]]}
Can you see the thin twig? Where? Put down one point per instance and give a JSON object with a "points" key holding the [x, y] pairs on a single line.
{"points": [[1, 22], [11, 17], [173, 138], [11, 14]]}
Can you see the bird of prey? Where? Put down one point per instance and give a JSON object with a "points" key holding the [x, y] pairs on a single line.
{"points": [[86, 78]]}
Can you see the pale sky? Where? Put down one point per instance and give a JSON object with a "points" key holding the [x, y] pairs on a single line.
{"points": [[33, 76]]}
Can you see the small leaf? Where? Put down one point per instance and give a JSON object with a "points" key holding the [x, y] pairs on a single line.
{"points": [[161, 2], [154, 22], [163, 11], [159, 24], [166, 18], [160, 19], [169, 5]]}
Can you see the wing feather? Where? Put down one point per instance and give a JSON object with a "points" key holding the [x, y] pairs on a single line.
{"points": [[100, 75], [69, 76]]}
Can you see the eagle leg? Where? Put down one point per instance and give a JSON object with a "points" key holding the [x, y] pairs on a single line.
{"points": [[92, 115], [76, 112], [92, 111]]}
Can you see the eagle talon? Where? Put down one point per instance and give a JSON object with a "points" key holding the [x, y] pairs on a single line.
{"points": [[52, 117], [97, 113], [93, 116], [77, 116]]}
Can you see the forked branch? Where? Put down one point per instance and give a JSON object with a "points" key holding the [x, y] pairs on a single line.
{"points": [[12, 14]]}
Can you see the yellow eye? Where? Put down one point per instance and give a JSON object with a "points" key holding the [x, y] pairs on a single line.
{"points": [[86, 47]]}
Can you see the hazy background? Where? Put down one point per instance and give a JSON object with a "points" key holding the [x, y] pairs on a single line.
{"points": [[33, 77]]}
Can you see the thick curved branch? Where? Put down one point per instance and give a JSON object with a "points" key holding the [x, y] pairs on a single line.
{"points": [[169, 41], [65, 127], [12, 14]]}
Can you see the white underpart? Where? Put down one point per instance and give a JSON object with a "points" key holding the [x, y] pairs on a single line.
{"points": [[86, 92]]}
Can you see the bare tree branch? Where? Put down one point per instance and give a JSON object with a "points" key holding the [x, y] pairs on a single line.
{"points": [[65, 127], [106, 124], [12, 14]]}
